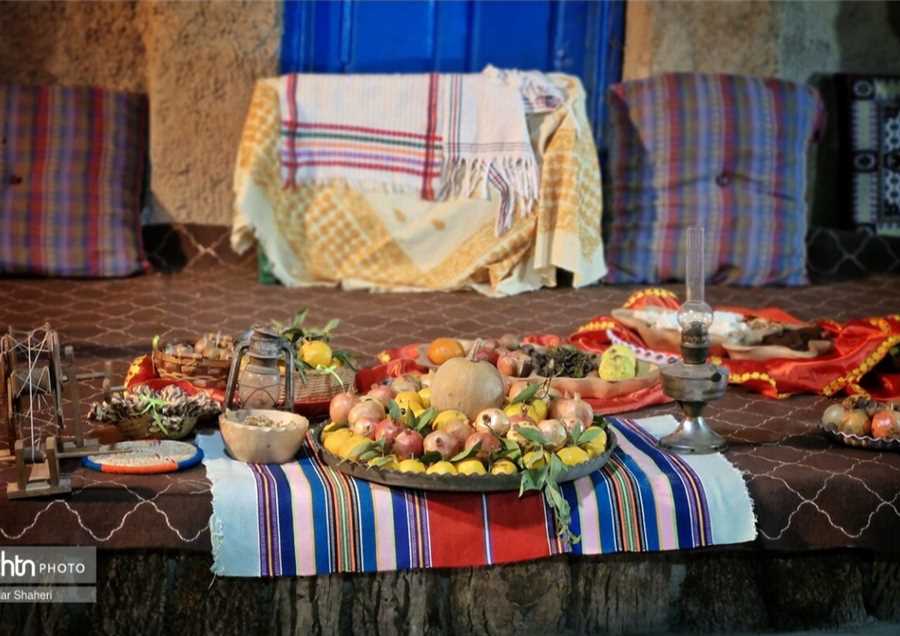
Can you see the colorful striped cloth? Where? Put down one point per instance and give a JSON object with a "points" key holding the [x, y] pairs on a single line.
{"points": [[305, 518], [722, 151], [71, 178], [440, 136]]}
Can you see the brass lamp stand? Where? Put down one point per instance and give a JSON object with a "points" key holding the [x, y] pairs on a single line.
{"points": [[694, 382]]}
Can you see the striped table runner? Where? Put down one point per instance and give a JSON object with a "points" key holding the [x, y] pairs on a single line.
{"points": [[305, 518]]}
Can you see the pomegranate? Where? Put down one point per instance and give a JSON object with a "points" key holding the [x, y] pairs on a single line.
{"points": [[883, 424], [364, 426], [571, 423], [406, 383], [441, 442], [458, 429], [515, 420], [408, 444], [340, 405], [572, 407], [388, 430], [489, 444], [382, 393], [366, 408], [554, 433], [856, 422], [492, 421]]}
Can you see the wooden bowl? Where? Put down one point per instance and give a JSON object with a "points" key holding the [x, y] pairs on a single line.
{"points": [[262, 445]]}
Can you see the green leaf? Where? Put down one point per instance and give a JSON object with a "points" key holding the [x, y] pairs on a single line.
{"points": [[576, 432], [330, 326], [299, 317], [556, 466], [394, 411], [372, 453], [431, 457], [528, 481], [588, 436], [381, 462], [600, 421], [468, 453], [526, 395], [426, 417], [345, 358], [532, 434]]}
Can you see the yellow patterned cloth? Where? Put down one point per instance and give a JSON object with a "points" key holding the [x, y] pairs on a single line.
{"points": [[328, 234]]}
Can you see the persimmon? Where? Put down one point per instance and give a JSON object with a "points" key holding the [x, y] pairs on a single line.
{"points": [[442, 349]]}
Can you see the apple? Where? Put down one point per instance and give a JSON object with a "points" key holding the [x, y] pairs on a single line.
{"points": [[441, 442], [489, 444], [408, 444], [364, 426], [388, 430]]}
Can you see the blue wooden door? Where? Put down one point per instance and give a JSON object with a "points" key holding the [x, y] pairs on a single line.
{"points": [[367, 36]]}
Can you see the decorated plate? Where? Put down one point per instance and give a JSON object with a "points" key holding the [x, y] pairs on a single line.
{"points": [[670, 340], [861, 441], [145, 457], [450, 483]]}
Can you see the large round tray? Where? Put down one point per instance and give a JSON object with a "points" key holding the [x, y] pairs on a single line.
{"points": [[860, 441], [449, 483]]}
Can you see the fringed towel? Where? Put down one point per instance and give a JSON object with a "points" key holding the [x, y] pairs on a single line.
{"points": [[441, 136], [539, 93]]}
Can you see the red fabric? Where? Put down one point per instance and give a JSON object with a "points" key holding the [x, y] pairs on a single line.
{"points": [[858, 346]]}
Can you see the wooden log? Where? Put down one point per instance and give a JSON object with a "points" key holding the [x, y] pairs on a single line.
{"points": [[160, 593]]}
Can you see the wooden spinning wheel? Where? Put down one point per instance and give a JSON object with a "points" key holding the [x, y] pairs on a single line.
{"points": [[33, 378]]}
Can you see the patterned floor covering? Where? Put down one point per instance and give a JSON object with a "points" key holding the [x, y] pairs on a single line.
{"points": [[808, 492]]}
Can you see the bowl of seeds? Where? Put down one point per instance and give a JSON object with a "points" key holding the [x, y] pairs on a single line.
{"points": [[263, 436]]}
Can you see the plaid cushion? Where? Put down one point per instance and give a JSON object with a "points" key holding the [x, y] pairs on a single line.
{"points": [[71, 175], [722, 151]]}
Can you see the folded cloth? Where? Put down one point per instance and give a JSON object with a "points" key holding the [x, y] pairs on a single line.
{"points": [[539, 93], [441, 136], [305, 518]]}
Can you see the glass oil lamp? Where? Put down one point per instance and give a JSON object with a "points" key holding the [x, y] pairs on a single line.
{"points": [[694, 382], [259, 382]]}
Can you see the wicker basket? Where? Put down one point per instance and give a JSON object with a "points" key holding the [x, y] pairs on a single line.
{"points": [[139, 428], [192, 367], [321, 387]]}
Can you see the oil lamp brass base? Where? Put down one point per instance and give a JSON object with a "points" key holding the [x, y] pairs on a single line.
{"points": [[693, 386], [694, 436]]}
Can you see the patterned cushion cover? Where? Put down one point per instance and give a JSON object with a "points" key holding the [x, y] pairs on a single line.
{"points": [[723, 151], [71, 174]]}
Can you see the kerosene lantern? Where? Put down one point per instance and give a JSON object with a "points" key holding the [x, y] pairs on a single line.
{"points": [[694, 382], [259, 382]]}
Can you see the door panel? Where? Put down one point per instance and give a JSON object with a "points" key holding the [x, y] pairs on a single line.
{"points": [[369, 36]]}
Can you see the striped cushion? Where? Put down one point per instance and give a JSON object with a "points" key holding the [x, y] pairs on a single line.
{"points": [[723, 151], [71, 175]]}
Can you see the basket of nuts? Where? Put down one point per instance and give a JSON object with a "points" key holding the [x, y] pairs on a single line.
{"points": [[205, 363]]}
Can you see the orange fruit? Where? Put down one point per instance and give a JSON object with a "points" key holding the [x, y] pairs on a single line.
{"points": [[442, 349]]}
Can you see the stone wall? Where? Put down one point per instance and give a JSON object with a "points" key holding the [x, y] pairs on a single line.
{"points": [[196, 60], [792, 40]]}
